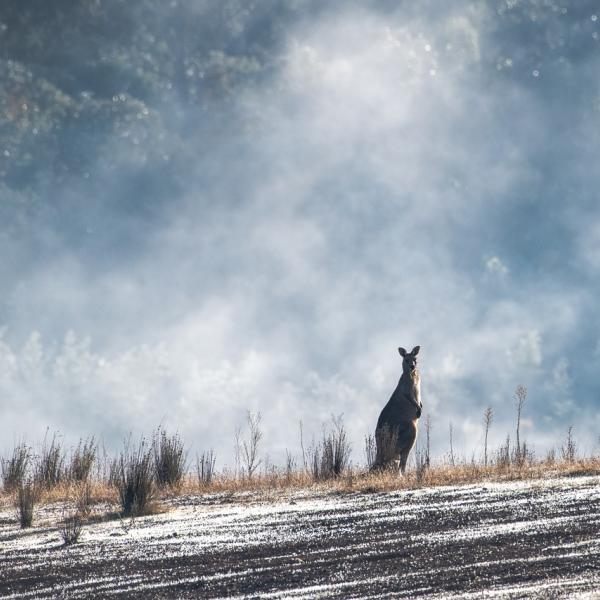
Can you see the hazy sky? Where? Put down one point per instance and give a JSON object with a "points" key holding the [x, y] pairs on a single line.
{"points": [[402, 174]]}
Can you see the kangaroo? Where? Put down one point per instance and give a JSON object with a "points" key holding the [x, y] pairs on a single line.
{"points": [[396, 430]]}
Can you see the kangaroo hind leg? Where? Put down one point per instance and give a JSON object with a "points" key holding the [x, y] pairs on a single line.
{"points": [[403, 460]]}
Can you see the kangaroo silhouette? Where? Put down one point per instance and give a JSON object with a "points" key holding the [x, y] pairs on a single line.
{"points": [[396, 430]]}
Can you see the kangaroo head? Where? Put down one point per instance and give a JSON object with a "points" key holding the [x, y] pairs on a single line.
{"points": [[409, 359]]}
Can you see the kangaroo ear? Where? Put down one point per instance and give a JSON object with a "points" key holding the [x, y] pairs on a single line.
{"points": [[402, 351], [415, 350]]}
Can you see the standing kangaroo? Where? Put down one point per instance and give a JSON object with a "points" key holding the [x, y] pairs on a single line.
{"points": [[396, 431]]}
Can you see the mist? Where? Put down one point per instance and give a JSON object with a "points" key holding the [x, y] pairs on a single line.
{"points": [[226, 209]]}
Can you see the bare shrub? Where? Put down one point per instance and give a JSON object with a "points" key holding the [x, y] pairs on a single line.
{"points": [[370, 451], [71, 528], [25, 499], [314, 461], [551, 456], [14, 469], [205, 467], [523, 455], [569, 448], [82, 460], [133, 476], [503, 455], [330, 458], [113, 472], [290, 465], [336, 451], [169, 459], [49, 468], [251, 445]]}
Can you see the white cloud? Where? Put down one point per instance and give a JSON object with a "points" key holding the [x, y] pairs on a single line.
{"points": [[559, 390], [451, 366], [528, 349], [494, 267]]}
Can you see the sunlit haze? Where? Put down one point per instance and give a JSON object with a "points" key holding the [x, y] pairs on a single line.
{"points": [[214, 207]]}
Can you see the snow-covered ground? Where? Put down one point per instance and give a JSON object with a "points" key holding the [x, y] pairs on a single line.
{"points": [[497, 540]]}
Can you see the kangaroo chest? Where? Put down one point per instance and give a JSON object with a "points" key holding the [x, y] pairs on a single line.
{"points": [[408, 389]]}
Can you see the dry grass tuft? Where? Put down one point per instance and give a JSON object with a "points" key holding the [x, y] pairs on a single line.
{"points": [[82, 460], [134, 479], [169, 459], [26, 497], [15, 468], [49, 467], [331, 456], [71, 528], [205, 468]]}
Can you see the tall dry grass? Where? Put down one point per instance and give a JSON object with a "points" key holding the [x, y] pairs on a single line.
{"points": [[134, 478], [364, 480], [14, 468], [205, 468], [49, 470], [144, 472], [83, 458], [354, 480], [25, 499], [169, 459]]}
